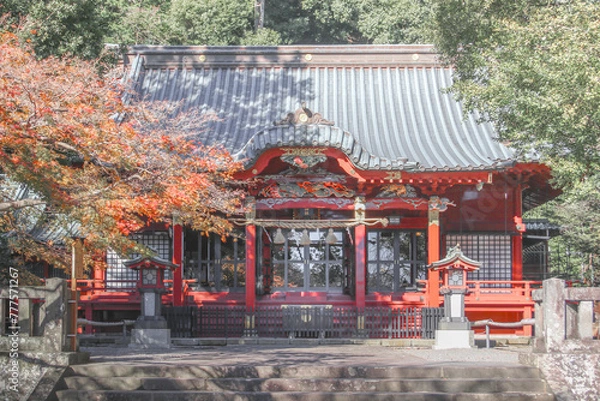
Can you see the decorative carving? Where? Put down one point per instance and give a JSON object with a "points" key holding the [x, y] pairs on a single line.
{"points": [[296, 175], [306, 189], [397, 191], [250, 208], [272, 202], [304, 162], [440, 204], [360, 207], [303, 158], [377, 203], [303, 151], [519, 224], [394, 175], [303, 116], [416, 202], [433, 217]]}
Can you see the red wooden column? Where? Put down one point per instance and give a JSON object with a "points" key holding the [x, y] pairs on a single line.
{"points": [[517, 240], [250, 323], [360, 233], [99, 279], [250, 268], [178, 260], [433, 255], [98, 285]]}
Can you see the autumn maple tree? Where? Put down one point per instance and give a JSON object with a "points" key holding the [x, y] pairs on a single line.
{"points": [[77, 159]]}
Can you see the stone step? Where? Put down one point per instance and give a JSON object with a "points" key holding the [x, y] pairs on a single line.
{"points": [[306, 371], [147, 395], [307, 384], [158, 382]]}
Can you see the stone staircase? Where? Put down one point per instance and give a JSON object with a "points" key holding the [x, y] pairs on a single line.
{"points": [[169, 382]]}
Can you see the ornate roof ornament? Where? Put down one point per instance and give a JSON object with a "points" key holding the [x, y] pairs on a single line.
{"points": [[307, 189], [303, 116], [440, 204], [397, 191], [303, 158]]}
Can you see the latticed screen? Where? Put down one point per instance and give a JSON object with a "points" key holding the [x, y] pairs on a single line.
{"points": [[213, 263], [118, 276], [493, 250], [396, 260]]}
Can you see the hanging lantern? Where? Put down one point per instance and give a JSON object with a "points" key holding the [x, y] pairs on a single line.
{"points": [[279, 238], [331, 239], [305, 239]]}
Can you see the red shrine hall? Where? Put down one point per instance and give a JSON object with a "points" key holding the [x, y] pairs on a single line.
{"points": [[364, 173]]}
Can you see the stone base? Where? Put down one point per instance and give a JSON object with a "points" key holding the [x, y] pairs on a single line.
{"points": [[454, 325], [151, 322], [446, 339], [150, 338]]}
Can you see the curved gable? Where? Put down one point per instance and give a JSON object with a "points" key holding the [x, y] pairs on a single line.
{"points": [[322, 136]]}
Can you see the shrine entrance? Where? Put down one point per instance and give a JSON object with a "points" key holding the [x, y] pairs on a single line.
{"points": [[310, 260], [306, 250]]}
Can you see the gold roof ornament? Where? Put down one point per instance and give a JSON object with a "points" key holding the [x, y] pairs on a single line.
{"points": [[303, 116]]}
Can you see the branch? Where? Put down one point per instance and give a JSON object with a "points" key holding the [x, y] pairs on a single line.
{"points": [[20, 204]]}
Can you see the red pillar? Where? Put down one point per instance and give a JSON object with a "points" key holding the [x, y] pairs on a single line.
{"points": [[99, 279], [250, 268], [517, 257], [517, 240], [360, 232], [433, 255], [89, 315], [178, 260]]}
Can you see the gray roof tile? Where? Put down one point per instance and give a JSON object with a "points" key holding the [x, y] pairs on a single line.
{"points": [[386, 102]]}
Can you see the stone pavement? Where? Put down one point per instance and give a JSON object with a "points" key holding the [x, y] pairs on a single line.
{"points": [[285, 355]]}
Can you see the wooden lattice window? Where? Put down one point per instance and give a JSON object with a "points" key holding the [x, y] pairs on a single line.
{"points": [[118, 276], [493, 250]]}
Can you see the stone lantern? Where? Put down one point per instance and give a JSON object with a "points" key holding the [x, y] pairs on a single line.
{"points": [[151, 327], [454, 330]]}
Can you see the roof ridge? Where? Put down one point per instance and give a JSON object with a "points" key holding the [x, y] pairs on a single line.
{"points": [[305, 55]]}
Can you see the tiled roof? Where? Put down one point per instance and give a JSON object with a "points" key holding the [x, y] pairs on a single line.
{"points": [[40, 227], [540, 224], [385, 102]]}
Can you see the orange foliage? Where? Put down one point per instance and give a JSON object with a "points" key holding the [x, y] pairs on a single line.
{"points": [[91, 158]]}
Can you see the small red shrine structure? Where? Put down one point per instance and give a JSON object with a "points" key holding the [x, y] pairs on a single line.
{"points": [[454, 268], [363, 173]]}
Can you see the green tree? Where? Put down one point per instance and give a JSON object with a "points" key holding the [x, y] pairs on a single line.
{"points": [[82, 27], [533, 68], [60, 27], [136, 22], [210, 22], [261, 37], [394, 21], [349, 21], [332, 21]]}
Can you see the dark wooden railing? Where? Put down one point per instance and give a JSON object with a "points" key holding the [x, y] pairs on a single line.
{"points": [[305, 321]]}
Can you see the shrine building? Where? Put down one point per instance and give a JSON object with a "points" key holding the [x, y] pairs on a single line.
{"points": [[364, 172]]}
